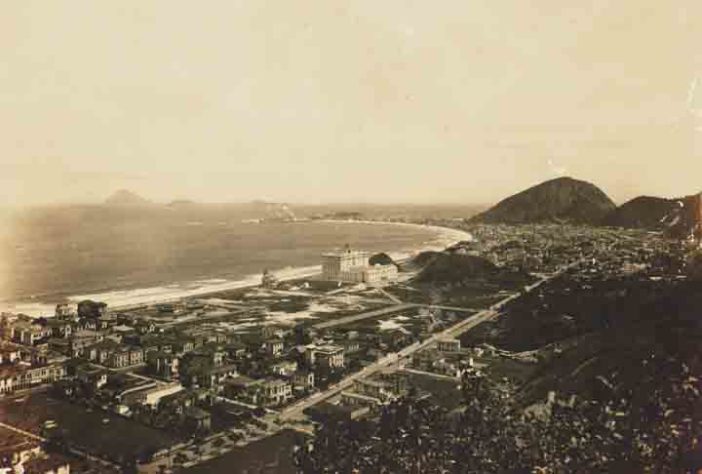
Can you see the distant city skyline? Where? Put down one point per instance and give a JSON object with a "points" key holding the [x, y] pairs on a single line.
{"points": [[377, 102]]}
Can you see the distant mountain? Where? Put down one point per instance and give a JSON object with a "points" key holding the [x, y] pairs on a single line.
{"points": [[676, 217], [644, 212], [684, 220], [124, 197], [557, 200], [181, 203]]}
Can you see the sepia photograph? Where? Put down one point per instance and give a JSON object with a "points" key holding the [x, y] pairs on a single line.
{"points": [[351, 237]]}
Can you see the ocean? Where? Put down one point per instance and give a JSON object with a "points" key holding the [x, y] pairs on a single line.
{"points": [[127, 255]]}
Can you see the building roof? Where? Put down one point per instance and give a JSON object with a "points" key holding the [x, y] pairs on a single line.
{"points": [[327, 349], [275, 381], [343, 253], [242, 381]]}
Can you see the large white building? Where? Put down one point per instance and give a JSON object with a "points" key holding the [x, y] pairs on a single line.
{"points": [[351, 266], [336, 265]]}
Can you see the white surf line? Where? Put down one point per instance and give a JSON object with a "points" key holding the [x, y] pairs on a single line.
{"points": [[124, 300]]}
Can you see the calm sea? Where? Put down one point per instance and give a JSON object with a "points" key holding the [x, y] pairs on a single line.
{"points": [[53, 254]]}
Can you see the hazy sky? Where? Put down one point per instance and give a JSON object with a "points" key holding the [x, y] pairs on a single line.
{"points": [[325, 100]]}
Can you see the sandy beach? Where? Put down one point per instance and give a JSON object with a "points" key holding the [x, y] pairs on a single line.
{"points": [[123, 299]]}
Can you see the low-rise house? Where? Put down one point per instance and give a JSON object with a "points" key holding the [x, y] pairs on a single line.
{"points": [[273, 347], [219, 374], [272, 332], [380, 390], [303, 380], [326, 412], [114, 355], [243, 389], [106, 321], [210, 353], [20, 376], [284, 368], [145, 327], [351, 346], [275, 391], [59, 328], [423, 360], [397, 337], [81, 340], [163, 364], [179, 402], [29, 333], [236, 350], [7, 375], [66, 311], [353, 399], [9, 353], [91, 376], [328, 356], [218, 337], [101, 351], [449, 345], [120, 331], [124, 356], [197, 370], [88, 324], [155, 343], [449, 368], [183, 344], [47, 357], [88, 309]]}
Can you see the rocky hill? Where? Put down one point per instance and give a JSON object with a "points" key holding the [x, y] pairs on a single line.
{"points": [[442, 267], [675, 217], [643, 212], [557, 200]]}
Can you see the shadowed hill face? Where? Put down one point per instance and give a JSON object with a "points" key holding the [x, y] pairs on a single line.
{"points": [[420, 261], [558, 200], [603, 329], [685, 220], [449, 268], [643, 212], [676, 217]]}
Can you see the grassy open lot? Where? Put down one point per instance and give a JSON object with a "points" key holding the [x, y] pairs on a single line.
{"points": [[101, 433], [270, 455]]}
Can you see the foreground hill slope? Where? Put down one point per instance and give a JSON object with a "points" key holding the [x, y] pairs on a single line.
{"points": [[557, 200]]}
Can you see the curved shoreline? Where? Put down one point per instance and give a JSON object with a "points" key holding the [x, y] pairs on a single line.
{"points": [[124, 299], [447, 236]]}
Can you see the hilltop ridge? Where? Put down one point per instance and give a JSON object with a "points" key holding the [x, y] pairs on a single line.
{"points": [[676, 216], [557, 200]]}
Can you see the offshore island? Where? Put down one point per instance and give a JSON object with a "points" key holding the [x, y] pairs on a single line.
{"points": [[535, 343]]}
